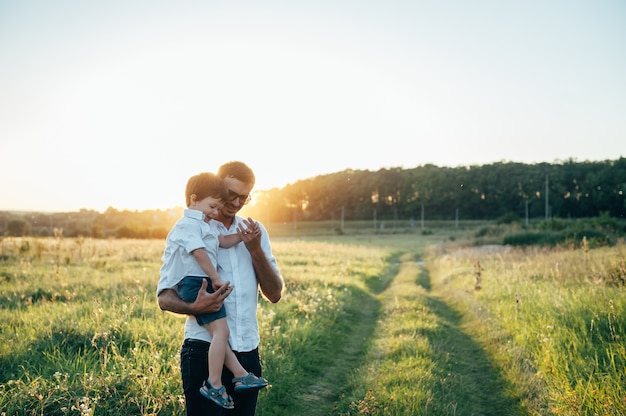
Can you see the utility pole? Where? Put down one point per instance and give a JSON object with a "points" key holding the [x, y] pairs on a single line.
{"points": [[374, 219], [395, 217], [547, 197], [342, 213], [526, 213]]}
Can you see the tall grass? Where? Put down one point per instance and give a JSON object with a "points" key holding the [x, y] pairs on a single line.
{"points": [[364, 327], [314, 325], [553, 320], [80, 331]]}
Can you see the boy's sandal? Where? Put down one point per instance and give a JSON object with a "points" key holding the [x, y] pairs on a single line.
{"points": [[249, 381], [217, 395]]}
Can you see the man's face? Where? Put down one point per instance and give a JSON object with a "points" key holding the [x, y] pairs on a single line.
{"points": [[239, 195]]}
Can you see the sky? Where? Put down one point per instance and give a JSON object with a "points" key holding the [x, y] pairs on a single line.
{"points": [[117, 103]]}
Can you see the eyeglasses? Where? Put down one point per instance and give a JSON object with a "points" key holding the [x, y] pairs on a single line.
{"points": [[243, 199]]}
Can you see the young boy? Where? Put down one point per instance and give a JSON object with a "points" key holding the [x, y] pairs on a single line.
{"points": [[190, 257]]}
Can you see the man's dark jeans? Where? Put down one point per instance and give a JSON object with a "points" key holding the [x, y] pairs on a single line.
{"points": [[194, 362]]}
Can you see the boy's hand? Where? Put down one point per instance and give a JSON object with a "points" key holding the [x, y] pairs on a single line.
{"points": [[217, 283]]}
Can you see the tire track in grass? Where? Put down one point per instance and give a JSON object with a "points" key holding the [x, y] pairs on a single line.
{"points": [[473, 383], [324, 392], [423, 362], [438, 370], [327, 389], [476, 386]]}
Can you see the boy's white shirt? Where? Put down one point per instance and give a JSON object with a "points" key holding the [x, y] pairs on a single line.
{"points": [[235, 265], [189, 233]]}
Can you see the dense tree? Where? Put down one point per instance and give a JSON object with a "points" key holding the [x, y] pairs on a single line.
{"points": [[18, 228], [486, 192]]}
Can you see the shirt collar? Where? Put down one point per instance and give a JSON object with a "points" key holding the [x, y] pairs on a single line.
{"points": [[194, 214]]}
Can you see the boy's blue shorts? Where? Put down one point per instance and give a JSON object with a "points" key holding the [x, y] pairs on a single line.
{"points": [[188, 289]]}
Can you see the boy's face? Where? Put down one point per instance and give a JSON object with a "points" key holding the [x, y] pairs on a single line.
{"points": [[209, 206]]}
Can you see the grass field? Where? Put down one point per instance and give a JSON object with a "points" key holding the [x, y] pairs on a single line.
{"points": [[370, 324]]}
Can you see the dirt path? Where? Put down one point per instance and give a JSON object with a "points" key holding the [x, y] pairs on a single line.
{"points": [[474, 385], [476, 379], [343, 362], [479, 386]]}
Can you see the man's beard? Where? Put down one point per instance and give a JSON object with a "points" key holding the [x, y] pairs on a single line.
{"points": [[228, 212]]}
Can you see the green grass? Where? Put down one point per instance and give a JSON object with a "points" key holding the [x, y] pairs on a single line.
{"points": [[377, 324], [551, 319]]}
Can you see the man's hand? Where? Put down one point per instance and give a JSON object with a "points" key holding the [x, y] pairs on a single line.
{"points": [[210, 302], [250, 234], [205, 302], [270, 282], [249, 231]]}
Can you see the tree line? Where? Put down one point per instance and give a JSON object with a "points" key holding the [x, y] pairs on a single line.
{"points": [[568, 189], [90, 223], [565, 190]]}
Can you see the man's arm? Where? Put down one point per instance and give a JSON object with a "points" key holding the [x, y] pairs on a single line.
{"points": [[271, 283], [205, 302]]}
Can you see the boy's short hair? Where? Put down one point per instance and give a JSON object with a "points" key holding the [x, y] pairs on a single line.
{"points": [[206, 184]]}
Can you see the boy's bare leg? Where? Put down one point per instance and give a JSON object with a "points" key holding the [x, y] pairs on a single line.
{"points": [[217, 351], [233, 364]]}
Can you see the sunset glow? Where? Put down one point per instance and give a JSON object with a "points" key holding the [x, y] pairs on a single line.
{"points": [[118, 103]]}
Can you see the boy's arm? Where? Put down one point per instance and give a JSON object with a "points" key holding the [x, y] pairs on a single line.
{"points": [[205, 263], [227, 241], [249, 230]]}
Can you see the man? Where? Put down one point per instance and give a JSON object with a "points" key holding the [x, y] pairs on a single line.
{"points": [[247, 267]]}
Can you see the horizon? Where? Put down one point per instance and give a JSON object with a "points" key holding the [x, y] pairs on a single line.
{"points": [[181, 206]]}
